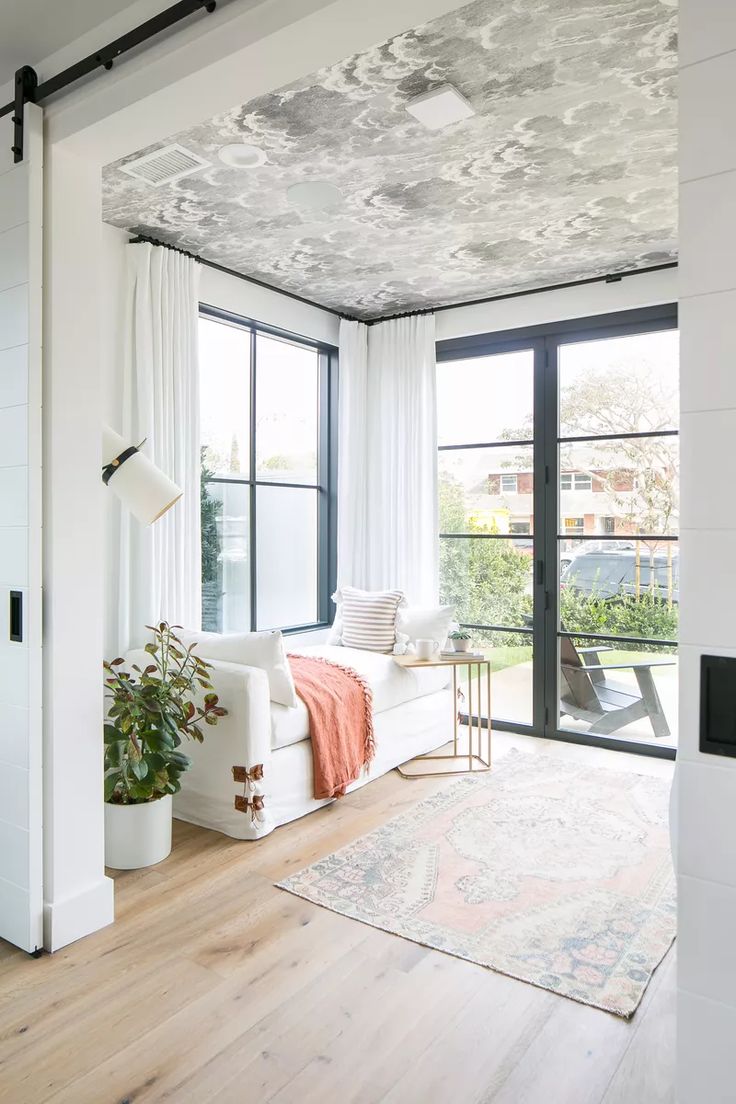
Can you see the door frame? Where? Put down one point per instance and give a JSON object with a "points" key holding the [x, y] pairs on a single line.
{"points": [[544, 340]]}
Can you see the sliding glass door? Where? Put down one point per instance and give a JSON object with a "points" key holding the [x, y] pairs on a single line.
{"points": [[558, 485]]}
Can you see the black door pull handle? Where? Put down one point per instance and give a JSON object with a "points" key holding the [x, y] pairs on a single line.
{"points": [[16, 616]]}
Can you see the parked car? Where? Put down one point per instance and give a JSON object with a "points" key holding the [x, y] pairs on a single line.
{"points": [[567, 555], [610, 574]]}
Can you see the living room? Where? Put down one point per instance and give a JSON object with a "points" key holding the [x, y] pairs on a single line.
{"points": [[404, 355]]}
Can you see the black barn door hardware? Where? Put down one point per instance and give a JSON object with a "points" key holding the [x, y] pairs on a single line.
{"points": [[28, 89]]}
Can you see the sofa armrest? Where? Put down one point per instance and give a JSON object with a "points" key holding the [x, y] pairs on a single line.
{"points": [[241, 739]]}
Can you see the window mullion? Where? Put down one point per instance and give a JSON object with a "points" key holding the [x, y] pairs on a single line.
{"points": [[252, 557]]}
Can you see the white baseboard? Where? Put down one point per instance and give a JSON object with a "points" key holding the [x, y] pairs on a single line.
{"points": [[74, 917]]}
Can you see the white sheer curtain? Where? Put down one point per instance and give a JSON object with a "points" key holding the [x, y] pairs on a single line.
{"points": [[387, 493], [160, 570], [352, 483]]}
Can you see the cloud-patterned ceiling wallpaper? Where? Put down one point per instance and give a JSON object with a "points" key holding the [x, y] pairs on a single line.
{"points": [[567, 170]]}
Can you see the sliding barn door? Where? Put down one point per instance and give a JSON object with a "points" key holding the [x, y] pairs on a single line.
{"points": [[21, 857]]}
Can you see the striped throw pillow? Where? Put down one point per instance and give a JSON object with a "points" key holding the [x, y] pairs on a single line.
{"points": [[369, 618]]}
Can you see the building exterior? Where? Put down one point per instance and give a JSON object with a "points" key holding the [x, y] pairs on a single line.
{"points": [[595, 500]]}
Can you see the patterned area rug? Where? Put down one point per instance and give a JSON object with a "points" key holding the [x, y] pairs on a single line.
{"points": [[546, 870]]}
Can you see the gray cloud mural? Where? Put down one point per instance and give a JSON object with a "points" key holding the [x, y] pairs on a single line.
{"points": [[567, 170]]}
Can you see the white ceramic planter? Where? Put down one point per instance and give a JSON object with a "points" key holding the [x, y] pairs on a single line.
{"points": [[137, 835], [462, 645]]}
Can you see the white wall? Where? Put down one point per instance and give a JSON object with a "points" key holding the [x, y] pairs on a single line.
{"points": [[647, 290], [112, 344], [78, 896], [21, 839], [707, 784], [218, 289]]}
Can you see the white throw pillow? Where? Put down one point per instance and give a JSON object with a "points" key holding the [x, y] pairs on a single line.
{"points": [[423, 623], [367, 618], [334, 635], [256, 649]]}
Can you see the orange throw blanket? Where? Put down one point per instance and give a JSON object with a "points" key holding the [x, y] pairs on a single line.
{"points": [[339, 703]]}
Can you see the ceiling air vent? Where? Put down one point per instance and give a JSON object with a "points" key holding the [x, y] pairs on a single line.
{"points": [[165, 165]]}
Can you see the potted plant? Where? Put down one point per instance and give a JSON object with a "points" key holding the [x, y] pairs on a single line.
{"points": [[149, 714], [461, 640]]}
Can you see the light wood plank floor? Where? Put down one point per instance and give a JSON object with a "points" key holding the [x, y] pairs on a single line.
{"points": [[213, 987]]}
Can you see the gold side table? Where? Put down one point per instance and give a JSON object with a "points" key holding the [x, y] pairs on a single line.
{"points": [[458, 762]]}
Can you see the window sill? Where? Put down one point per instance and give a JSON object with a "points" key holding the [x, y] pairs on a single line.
{"points": [[317, 627]]}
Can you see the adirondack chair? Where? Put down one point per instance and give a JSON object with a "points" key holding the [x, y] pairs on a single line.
{"points": [[587, 693]]}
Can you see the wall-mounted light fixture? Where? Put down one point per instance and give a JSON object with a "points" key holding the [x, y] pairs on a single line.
{"points": [[139, 484]]}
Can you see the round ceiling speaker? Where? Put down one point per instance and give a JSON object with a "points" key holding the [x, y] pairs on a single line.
{"points": [[242, 156], [314, 195]]}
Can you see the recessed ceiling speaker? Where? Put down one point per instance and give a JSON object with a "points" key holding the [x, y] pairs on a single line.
{"points": [[240, 155], [314, 195], [440, 108]]}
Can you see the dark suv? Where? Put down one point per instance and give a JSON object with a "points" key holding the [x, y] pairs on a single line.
{"points": [[611, 574]]}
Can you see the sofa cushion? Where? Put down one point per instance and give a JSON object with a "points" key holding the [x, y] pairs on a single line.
{"points": [[256, 649], [288, 726], [391, 685]]}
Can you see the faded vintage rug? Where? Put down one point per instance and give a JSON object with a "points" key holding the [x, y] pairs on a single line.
{"points": [[549, 871]]}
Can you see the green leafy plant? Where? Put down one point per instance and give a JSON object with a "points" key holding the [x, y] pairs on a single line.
{"points": [[150, 712], [210, 514], [460, 634], [485, 580]]}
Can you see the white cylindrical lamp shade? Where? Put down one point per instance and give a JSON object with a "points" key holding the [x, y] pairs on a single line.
{"points": [[139, 484]]}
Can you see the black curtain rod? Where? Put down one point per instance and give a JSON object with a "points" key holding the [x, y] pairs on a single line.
{"points": [[104, 57], [608, 278], [240, 276]]}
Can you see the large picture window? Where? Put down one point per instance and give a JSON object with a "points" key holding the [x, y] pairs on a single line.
{"points": [[267, 481]]}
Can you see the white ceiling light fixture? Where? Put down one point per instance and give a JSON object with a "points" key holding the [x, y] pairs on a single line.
{"points": [[241, 155], [440, 108], [314, 195]]}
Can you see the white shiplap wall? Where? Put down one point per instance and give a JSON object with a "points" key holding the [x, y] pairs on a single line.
{"points": [[707, 783], [21, 198]]}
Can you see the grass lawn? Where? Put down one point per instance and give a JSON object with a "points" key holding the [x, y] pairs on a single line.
{"points": [[504, 656], [508, 656]]}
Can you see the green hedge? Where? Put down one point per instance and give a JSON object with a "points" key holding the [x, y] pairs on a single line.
{"points": [[646, 616]]}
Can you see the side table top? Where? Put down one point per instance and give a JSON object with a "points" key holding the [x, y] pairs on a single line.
{"points": [[460, 660]]}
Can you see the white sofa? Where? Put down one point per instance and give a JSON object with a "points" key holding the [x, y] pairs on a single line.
{"points": [[412, 715]]}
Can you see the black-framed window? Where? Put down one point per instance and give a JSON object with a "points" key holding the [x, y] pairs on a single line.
{"points": [[268, 451], [584, 413]]}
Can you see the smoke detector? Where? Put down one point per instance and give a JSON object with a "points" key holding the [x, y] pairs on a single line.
{"points": [[314, 195], [440, 108], [165, 165]]}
